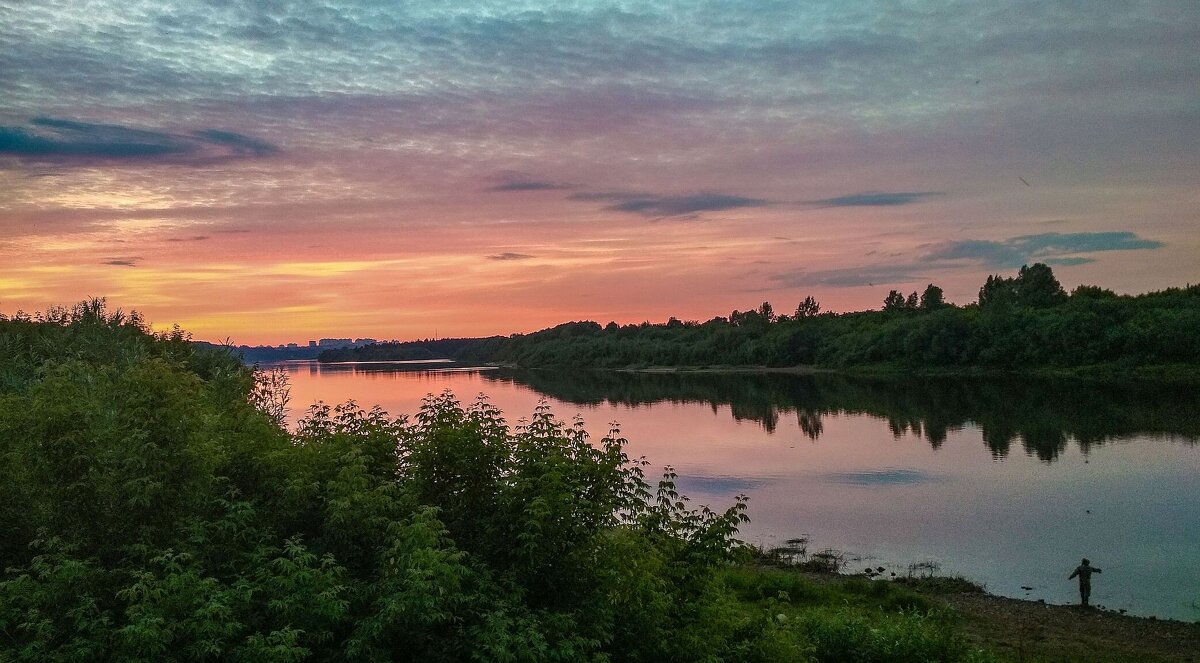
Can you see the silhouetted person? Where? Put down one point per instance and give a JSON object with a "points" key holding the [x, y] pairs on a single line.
{"points": [[1084, 571]]}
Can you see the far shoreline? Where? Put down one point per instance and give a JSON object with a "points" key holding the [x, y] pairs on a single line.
{"points": [[1166, 374], [1172, 373]]}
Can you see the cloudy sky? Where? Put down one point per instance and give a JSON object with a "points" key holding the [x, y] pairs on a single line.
{"points": [[271, 171]]}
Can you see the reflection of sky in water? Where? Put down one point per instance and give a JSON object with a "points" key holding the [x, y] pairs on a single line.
{"points": [[1130, 505], [689, 484], [882, 477]]}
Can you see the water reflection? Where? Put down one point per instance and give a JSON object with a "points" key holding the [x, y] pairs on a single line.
{"points": [[884, 477], [892, 470], [1042, 415]]}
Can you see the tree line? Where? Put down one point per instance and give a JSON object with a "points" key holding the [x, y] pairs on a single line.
{"points": [[1022, 321]]}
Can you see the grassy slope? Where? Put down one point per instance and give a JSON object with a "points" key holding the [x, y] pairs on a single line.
{"points": [[1012, 629]]}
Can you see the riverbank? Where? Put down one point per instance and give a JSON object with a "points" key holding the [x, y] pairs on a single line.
{"points": [[786, 370], [1169, 374], [1162, 374], [1022, 630]]}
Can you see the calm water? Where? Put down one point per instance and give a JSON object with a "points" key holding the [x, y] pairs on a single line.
{"points": [[1007, 482]]}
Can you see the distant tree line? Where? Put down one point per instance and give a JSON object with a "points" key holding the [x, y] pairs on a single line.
{"points": [[444, 348], [1023, 321], [262, 354]]}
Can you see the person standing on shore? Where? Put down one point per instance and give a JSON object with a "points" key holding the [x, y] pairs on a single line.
{"points": [[1084, 571]]}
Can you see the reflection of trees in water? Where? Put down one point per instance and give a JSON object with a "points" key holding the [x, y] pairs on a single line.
{"points": [[810, 422], [429, 371], [1043, 415]]}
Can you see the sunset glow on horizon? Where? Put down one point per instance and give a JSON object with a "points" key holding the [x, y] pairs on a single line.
{"points": [[270, 172]]}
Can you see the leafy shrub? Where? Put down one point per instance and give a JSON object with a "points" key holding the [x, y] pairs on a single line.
{"points": [[893, 638]]}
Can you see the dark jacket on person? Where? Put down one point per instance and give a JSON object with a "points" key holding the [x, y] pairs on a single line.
{"points": [[1084, 571]]}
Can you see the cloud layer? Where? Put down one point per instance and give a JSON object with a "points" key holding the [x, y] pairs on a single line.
{"points": [[876, 199], [529, 185], [1061, 249], [1052, 248], [60, 140], [509, 255], [655, 205]]}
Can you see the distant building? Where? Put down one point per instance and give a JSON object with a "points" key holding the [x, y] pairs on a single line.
{"points": [[292, 345], [312, 344], [336, 343]]}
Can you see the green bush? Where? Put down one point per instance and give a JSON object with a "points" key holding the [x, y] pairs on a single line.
{"points": [[892, 638]]}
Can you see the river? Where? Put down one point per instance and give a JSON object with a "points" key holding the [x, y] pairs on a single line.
{"points": [[1008, 482]]}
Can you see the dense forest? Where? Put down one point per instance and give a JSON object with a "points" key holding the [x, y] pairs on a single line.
{"points": [[157, 507], [1019, 322]]}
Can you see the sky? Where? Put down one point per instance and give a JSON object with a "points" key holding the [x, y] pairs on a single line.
{"points": [[266, 171]]}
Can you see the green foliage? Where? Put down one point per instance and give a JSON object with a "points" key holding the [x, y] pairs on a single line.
{"points": [[1034, 286], [852, 620], [932, 299], [808, 308], [1020, 322], [891, 638], [156, 509], [1092, 292], [894, 301]]}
